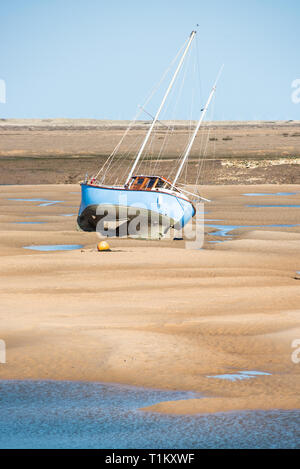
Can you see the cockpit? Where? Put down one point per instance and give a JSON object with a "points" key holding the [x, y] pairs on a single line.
{"points": [[150, 183]]}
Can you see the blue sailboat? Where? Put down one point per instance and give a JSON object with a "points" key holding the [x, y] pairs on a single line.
{"points": [[151, 198], [145, 206]]}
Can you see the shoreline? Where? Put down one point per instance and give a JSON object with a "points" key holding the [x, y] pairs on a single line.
{"points": [[216, 405]]}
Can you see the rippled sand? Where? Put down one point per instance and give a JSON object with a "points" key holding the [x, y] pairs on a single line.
{"points": [[155, 314]]}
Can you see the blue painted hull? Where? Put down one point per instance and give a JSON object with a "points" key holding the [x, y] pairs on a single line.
{"points": [[174, 210]]}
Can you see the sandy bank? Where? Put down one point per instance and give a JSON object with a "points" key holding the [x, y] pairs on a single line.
{"points": [[155, 314]]}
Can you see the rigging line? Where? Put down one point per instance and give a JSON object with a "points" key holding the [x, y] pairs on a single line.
{"points": [[163, 146], [155, 163], [185, 173], [215, 141], [203, 135], [159, 157], [163, 77], [214, 155], [203, 168], [155, 88], [199, 70], [151, 148], [138, 143], [181, 156], [204, 149], [115, 150], [201, 164], [193, 97], [152, 117], [169, 128], [191, 116], [195, 69], [172, 122], [117, 162], [168, 69], [165, 138], [148, 154], [158, 112], [201, 160], [185, 148], [198, 74], [186, 66], [197, 128], [120, 159]]}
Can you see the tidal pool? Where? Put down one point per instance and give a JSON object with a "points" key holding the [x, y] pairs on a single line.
{"points": [[218, 241], [223, 230], [257, 194], [55, 247], [273, 206], [44, 203], [28, 222], [240, 375], [47, 414]]}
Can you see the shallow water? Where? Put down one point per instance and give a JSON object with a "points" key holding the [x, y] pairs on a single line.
{"points": [[218, 241], [44, 203], [28, 222], [240, 375], [223, 230], [49, 414], [256, 194], [273, 206], [55, 247]]}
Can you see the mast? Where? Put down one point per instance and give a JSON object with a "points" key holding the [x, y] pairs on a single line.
{"points": [[189, 147], [192, 35]]}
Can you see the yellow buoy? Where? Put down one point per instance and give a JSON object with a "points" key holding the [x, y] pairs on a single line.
{"points": [[103, 246]]}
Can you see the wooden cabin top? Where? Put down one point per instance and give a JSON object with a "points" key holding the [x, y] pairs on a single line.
{"points": [[150, 183]]}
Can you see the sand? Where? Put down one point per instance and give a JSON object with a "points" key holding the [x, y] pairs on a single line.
{"points": [[47, 151], [153, 313]]}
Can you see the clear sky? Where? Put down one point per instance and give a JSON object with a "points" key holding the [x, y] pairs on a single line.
{"points": [[99, 59]]}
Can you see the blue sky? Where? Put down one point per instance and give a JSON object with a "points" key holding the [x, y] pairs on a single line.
{"points": [[99, 59]]}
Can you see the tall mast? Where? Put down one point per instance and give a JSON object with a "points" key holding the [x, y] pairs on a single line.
{"points": [[192, 35], [189, 147]]}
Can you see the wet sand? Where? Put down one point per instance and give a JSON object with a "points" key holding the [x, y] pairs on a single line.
{"points": [[155, 314]]}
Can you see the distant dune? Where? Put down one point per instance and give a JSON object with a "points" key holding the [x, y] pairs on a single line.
{"points": [[43, 151], [105, 123]]}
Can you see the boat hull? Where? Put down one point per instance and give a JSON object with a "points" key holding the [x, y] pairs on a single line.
{"points": [[155, 209]]}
